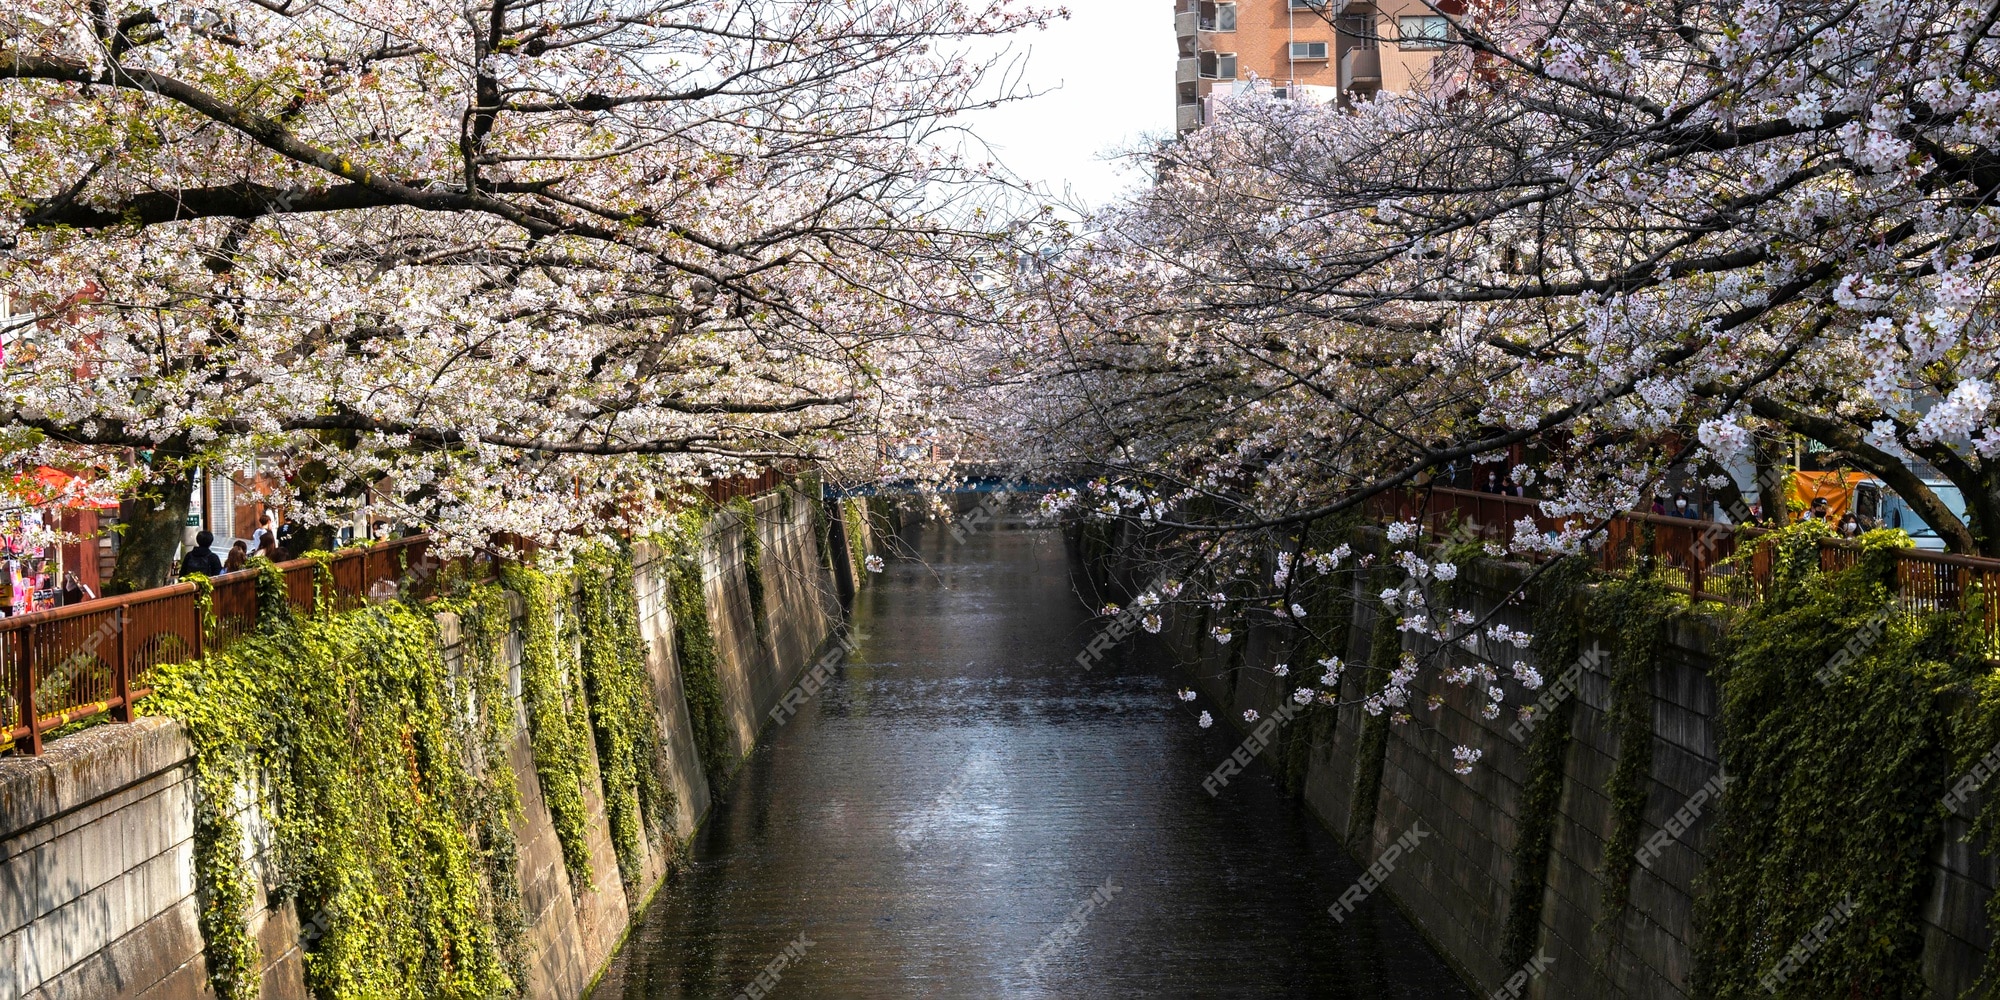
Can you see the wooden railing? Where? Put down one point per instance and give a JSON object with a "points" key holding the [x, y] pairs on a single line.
{"points": [[98, 657], [722, 491], [1698, 558]]}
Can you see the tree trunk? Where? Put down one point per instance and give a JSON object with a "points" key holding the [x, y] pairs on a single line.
{"points": [[311, 481], [1771, 481], [151, 534]]}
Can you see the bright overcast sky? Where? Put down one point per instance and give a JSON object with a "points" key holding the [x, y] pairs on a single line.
{"points": [[1109, 74]]}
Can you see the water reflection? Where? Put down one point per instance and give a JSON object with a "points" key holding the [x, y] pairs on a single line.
{"points": [[963, 812]]}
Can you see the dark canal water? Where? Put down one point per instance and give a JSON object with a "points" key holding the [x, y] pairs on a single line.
{"points": [[963, 787]]}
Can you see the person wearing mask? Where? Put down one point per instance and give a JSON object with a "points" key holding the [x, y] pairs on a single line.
{"points": [[287, 532], [1684, 509], [239, 557], [1850, 526], [75, 591], [202, 559], [1818, 510]]}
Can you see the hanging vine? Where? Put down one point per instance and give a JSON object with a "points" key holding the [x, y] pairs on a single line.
{"points": [[484, 622], [558, 724], [274, 608], [695, 650], [344, 731], [1635, 612], [753, 564], [638, 802], [1558, 631], [1975, 745]]}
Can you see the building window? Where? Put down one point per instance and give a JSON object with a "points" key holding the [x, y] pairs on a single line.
{"points": [[1307, 4], [1225, 17], [1218, 65], [1359, 29], [1423, 31], [1308, 50]]}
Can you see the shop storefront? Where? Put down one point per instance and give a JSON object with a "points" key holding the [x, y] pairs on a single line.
{"points": [[50, 544]]}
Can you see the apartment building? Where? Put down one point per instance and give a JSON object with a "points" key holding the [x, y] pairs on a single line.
{"points": [[1321, 50]]}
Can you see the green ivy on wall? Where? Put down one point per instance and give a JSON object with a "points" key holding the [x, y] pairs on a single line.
{"points": [[1976, 741], [558, 714], [1837, 731], [695, 651], [619, 688], [1634, 612], [810, 490], [487, 732], [350, 729], [753, 564], [1558, 640], [274, 609], [383, 768]]}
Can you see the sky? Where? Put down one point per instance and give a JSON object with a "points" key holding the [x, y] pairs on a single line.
{"points": [[1108, 74]]}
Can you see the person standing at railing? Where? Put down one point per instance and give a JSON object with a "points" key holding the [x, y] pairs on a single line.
{"points": [[239, 557], [201, 559], [75, 591], [1683, 509]]}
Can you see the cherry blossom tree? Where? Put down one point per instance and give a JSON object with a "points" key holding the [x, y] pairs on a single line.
{"points": [[1630, 238], [515, 266], [1629, 224]]}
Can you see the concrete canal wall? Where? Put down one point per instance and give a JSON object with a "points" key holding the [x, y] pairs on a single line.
{"points": [[97, 887], [1457, 885]]}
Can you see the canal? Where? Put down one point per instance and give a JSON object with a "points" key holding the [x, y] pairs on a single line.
{"points": [[926, 826]]}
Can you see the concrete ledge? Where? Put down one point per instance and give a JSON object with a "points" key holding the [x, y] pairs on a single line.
{"points": [[78, 770]]}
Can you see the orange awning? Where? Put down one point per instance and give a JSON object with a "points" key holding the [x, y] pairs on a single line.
{"points": [[46, 484], [1836, 487]]}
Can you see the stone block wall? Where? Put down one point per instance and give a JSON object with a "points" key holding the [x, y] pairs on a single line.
{"points": [[758, 663], [97, 890], [1457, 885]]}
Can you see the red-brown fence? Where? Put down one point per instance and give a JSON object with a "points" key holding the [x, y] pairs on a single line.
{"points": [[721, 491], [1696, 557], [99, 656]]}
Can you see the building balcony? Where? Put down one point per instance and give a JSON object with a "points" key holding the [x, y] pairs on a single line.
{"points": [[1186, 23], [1187, 70], [1361, 68], [1187, 117]]}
